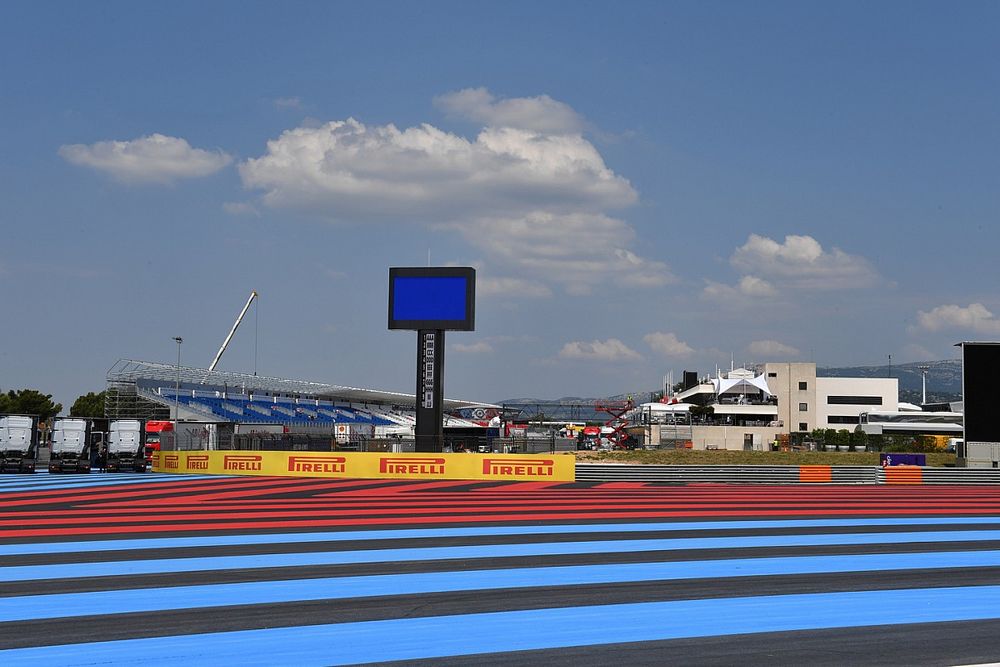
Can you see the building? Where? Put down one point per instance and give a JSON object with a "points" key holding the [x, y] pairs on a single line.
{"points": [[749, 409]]}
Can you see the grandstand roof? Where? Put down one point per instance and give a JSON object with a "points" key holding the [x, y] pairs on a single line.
{"points": [[130, 370]]}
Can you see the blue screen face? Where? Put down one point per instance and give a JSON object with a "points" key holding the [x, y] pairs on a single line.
{"points": [[429, 298]]}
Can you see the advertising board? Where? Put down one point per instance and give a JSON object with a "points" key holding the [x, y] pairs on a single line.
{"points": [[371, 465]]}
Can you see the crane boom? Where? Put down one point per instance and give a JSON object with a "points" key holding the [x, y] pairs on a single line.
{"points": [[236, 324]]}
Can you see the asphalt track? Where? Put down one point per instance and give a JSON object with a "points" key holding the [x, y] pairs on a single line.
{"points": [[168, 570]]}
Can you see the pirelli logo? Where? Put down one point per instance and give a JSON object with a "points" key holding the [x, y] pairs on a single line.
{"points": [[197, 462], [246, 462], [520, 467], [317, 464], [411, 465], [171, 462]]}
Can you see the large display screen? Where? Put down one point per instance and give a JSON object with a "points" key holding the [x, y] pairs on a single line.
{"points": [[980, 370], [441, 298]]}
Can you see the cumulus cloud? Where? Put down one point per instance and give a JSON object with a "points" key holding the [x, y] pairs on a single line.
{"points": [[482, 347], [748, 287], [156, 158], [534, 201], [579, 250], [348, 170], [771, 349], [541, 114], [667, 344], [801, 262], [975, 317], [611, 349]]}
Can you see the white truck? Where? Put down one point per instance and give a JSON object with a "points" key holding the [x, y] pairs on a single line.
{"points": [[18, 443], [70, 446], [126, 446]]}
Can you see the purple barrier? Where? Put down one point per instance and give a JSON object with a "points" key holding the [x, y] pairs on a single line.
{"points": [[897, 459]]}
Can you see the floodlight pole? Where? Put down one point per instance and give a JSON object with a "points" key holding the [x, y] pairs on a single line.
{"points": [[177, 388]]}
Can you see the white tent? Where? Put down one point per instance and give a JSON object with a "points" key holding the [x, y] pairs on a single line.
{"points": [[741, 385]]}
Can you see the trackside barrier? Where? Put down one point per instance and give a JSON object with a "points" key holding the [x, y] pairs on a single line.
{"points": [[731, 474], [370, 465]]}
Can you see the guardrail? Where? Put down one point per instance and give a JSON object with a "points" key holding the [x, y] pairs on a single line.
{"points": [[737, 474]]}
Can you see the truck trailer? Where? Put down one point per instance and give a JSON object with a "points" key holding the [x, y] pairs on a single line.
{"points": [[126, 446], [70, 446], [18, 443]]}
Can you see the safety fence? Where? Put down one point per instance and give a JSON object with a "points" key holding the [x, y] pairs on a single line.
{"points": [[810, 474]]}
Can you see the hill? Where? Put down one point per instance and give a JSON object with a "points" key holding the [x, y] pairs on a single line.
{"points": [[944, 383]]}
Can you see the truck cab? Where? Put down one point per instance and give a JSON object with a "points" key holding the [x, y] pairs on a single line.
{"points": [[70, 446], [126, 446], [18, 443]]}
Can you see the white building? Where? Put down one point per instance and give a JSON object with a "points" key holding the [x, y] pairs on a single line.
{"points": [[750, 410]]}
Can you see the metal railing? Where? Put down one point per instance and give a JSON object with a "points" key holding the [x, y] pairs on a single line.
{"points": [[736, 474]]}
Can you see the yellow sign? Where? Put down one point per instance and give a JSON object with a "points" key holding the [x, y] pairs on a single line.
{"points": [[372, 465]]}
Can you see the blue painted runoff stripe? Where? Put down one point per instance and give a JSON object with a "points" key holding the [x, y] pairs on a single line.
{"points": [[63, 605], [500, 632], [471, 531], [73, 481], [167, 565]]}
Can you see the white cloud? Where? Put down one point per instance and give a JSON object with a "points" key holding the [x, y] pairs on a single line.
{"points": [[514, 287], [668, 344], [351, 170], [481, 347], [801, 262], [756, 287], [240, 208], [578, 250], [611, 349], [541, 114], [535, 202], [155, 158], [765, 350], [748, 287], [975, 317]]}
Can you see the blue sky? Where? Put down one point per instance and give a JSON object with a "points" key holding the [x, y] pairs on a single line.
{"points": [[643, 187]]}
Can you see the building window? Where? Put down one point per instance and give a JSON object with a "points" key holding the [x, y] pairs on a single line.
{"points": [[854, 400], [772, 375], [843, 419], [803, 426], [803, 386], [803, 407]]}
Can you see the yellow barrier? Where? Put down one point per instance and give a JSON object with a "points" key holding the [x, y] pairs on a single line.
{"points": [[372, 465]]}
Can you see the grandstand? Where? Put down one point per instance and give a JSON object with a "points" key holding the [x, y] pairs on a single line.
{"points": [[153, 390]]}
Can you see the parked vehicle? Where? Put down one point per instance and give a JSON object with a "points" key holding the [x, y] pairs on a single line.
{"points": [[126, 446], [18, 443], [70, 446]]}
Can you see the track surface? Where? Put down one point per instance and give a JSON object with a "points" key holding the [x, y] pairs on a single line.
{"points": [[111, 569]]}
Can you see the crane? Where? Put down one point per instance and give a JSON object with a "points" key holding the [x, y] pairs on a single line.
{"points": [[236, 324]]}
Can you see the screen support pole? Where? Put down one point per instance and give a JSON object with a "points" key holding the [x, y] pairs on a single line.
{"points": [[429, 431]]}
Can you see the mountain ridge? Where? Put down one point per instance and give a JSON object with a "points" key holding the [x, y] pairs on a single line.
{"points": [[944, 383]]}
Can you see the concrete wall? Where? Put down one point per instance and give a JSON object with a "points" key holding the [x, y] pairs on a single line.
{"points": [[732, 437], [784, 381], [885, 388]]}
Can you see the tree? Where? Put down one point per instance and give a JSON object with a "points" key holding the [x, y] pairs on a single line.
{"points": [[88, 406], [29, 402]]}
